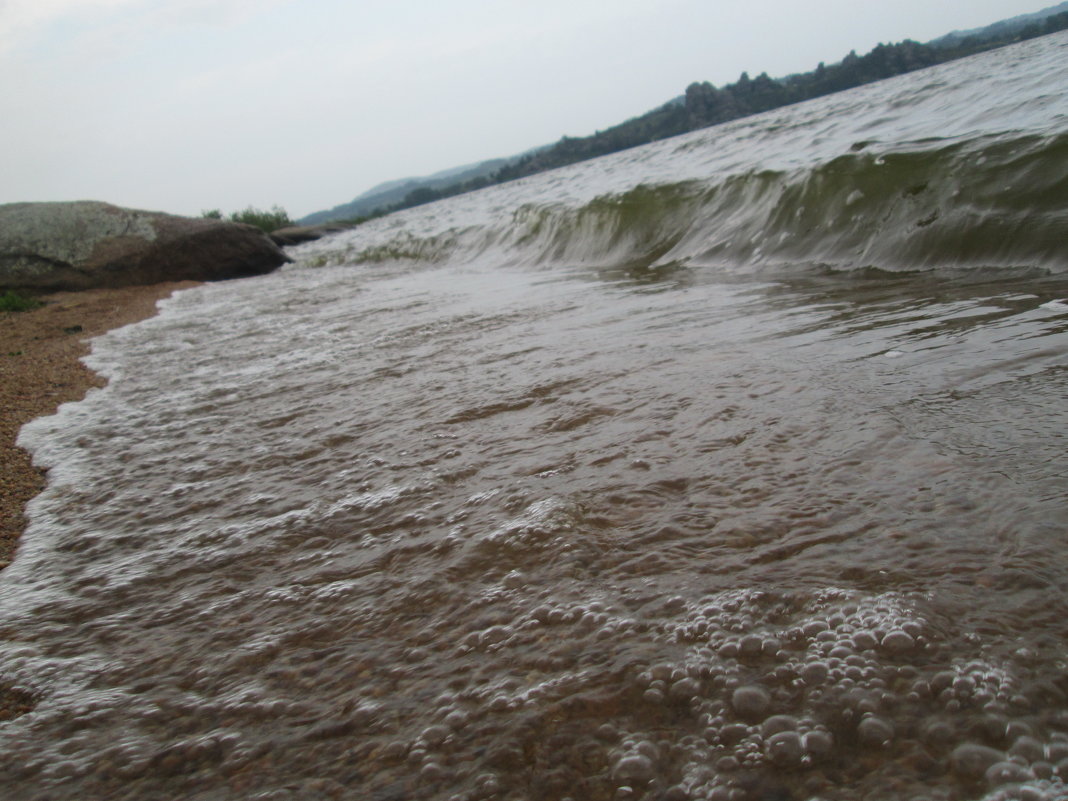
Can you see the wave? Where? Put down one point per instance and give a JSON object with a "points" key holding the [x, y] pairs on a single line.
{"points": [[995, 201], [963, 167]]}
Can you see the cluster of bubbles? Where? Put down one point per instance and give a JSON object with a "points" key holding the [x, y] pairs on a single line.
{"points": [[764, 696]]}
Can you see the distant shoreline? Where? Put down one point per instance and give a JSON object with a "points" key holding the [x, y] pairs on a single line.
{"points": [[40, 368]]}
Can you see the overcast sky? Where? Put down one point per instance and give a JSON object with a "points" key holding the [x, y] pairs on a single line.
{"points": [[186, 105]]}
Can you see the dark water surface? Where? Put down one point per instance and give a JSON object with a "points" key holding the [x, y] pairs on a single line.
{"points": [[622, 482]]}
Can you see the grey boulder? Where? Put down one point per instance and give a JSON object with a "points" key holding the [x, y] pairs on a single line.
{"points": [[88, 244]]}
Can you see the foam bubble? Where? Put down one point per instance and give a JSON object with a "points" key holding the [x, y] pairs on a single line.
{"points": [[785, 748], [750, 702], [634, 768], [972, 760]]}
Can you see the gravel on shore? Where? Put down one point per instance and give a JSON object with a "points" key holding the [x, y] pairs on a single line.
{"points": [[40, 368]]}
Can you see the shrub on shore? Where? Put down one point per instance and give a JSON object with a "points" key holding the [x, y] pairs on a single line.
{"points": [[15, 302], [266, 221]]}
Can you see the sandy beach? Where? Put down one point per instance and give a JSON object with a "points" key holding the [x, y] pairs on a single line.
{"points": [[40, 368]]}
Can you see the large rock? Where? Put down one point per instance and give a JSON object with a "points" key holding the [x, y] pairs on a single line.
{"points": [[88, 244]]}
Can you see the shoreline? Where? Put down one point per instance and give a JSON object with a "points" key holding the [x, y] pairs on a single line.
{"points": [[41, 368]]}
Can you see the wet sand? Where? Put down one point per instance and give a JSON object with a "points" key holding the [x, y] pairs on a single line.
{"points": [[40, 368]]}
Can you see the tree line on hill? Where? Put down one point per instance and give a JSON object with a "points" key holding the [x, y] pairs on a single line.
{"points": [[704, 105]]}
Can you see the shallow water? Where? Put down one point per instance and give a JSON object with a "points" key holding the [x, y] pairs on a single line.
{"points": [[458, 509]]}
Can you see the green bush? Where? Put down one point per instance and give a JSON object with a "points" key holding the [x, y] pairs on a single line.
{"points": [[266, 221], [14, 302]]}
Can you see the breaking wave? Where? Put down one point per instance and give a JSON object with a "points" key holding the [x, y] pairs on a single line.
{"points": [[823, 184]]}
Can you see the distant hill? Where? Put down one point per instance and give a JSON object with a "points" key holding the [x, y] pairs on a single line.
{"points": [[392, 193], [1004, 27], [702, 106]]}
